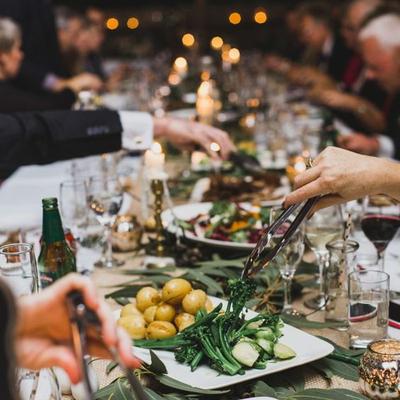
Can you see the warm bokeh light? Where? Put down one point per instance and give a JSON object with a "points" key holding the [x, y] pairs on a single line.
{"points": [[156, 148], [235, 18], [216, 42], [112, 23], [181, 62], [205, 76], [234, 55], [132, 23], [226, 47], [260, 17], [174, 79], [188, 40]]}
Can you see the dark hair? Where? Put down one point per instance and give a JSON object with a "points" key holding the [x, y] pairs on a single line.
{"points": [[318, 11]]}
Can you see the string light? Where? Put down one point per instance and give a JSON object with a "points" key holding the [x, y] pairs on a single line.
{"points": [[112, 23], [188, 40], [260, 17], [216, 42], [235, 18], [181, 62], [234, 55], [132, 23]]}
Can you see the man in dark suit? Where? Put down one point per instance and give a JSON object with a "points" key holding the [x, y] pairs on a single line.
{"points": [[42, 68], [45, 137]]}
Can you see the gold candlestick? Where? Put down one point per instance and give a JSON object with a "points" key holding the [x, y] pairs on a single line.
{"points": [[157, 188]]}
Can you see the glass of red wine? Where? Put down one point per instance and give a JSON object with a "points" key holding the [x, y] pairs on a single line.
{"points": [[380, 222]]}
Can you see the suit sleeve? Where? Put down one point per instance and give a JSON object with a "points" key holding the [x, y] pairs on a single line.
{"points": [[44, 137]]}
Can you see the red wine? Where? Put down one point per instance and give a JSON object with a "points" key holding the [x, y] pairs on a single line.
{"points": [[380, 229]]}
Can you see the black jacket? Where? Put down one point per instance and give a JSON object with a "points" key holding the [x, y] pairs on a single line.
{"points": [[39, 40], [335, 64], [44, 137], [13, 99], [393, 124]]}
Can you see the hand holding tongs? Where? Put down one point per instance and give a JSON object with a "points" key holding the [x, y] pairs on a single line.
{"points": [[251, 266], [81, 318]]}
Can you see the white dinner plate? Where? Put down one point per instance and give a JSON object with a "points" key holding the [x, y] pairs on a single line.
{"points": [[188, 211], [307, 347]]}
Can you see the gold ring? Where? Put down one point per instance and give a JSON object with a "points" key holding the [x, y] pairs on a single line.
{"points": [[309, 162]]}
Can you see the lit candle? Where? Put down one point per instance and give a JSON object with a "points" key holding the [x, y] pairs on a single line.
{"points": [[205, 103], [181, 66], [154, 161], [197, 158]]}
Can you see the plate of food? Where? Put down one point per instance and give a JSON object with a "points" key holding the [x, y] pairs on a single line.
{"points": [[213, 343], [221, 224]]}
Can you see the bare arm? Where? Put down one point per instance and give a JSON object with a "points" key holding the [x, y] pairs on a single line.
{"points": [[340, 175]]}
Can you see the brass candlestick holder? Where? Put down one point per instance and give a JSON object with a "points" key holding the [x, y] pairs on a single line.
{"points": [[157, 187]]}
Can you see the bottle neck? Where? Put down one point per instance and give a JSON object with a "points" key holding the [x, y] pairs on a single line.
{"points": [[52, 227]]}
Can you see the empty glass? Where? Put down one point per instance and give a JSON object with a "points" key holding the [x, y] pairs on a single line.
{"points": [[19, 268], [288, 258], [368, 307], [105, 199], [325, 226], [342, 261]]}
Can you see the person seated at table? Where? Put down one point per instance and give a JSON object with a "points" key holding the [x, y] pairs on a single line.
{"points": [[361, 101], [34, 338], [380, 46], [45, 137], [42, 68], [331, 55], [14, 98], [340, 175]]}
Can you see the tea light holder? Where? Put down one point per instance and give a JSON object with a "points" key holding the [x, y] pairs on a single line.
{"points": [[380, 370]]}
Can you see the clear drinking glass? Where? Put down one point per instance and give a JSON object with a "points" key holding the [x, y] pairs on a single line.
{"points": [[342, 261], [105, 199], [380, 222], [38, 385], [19, 269], [368, 307], [288, 258], [325, 226]]}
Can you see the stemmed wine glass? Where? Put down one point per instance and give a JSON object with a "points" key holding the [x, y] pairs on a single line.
{"points": [[73, 206], [288, 258], [380, 222], [105, 199], [325, 226]]}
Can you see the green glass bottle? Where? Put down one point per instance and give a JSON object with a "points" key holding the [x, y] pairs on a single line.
{"points": [[56, 258]]}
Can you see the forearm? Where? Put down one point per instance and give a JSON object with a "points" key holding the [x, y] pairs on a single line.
{"points": [[390, 179], [366, 112]]}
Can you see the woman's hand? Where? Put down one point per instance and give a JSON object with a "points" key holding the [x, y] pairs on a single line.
{"points": [[43, 334], [184, 134], [340, 175]]}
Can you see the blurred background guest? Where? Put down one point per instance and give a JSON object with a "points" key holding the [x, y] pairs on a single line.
{"points": [[15, 98], [380, 45], [42, 68]]}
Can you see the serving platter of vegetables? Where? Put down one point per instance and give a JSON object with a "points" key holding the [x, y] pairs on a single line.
{"points": [[211, 342], [221, 224]]}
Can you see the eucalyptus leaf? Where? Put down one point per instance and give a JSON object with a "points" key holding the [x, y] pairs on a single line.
{"points": [[325, 394], [322, 369], [342, 350], [212, 286], [174, 384], [128, 291], [301, 322], [260, 388], [122, 301], [152, 395], [111, 366], [339, 368], [118, 390], [156, 366], [168, 268], [293, 378], [237, 263]]}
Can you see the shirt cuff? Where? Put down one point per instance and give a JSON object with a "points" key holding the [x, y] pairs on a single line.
{"points": [[386, 146], [137, 130]]}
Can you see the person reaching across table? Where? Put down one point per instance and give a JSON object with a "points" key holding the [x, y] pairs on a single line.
{"points": [[340, 175]]}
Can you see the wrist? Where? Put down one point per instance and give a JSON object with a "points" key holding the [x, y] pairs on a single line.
{"points": [[160, 127], [390, 178], [26, 319]]}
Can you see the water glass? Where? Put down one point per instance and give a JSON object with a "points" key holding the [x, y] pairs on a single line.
{"points": [[342, 261], [368, 307], [19, 269]]}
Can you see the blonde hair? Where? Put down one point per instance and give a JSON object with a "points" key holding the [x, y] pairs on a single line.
{"points": [[10, 33]]}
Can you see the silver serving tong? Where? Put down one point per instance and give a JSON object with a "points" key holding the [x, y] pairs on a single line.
{"points": [[253, 264], [81, 318]]}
